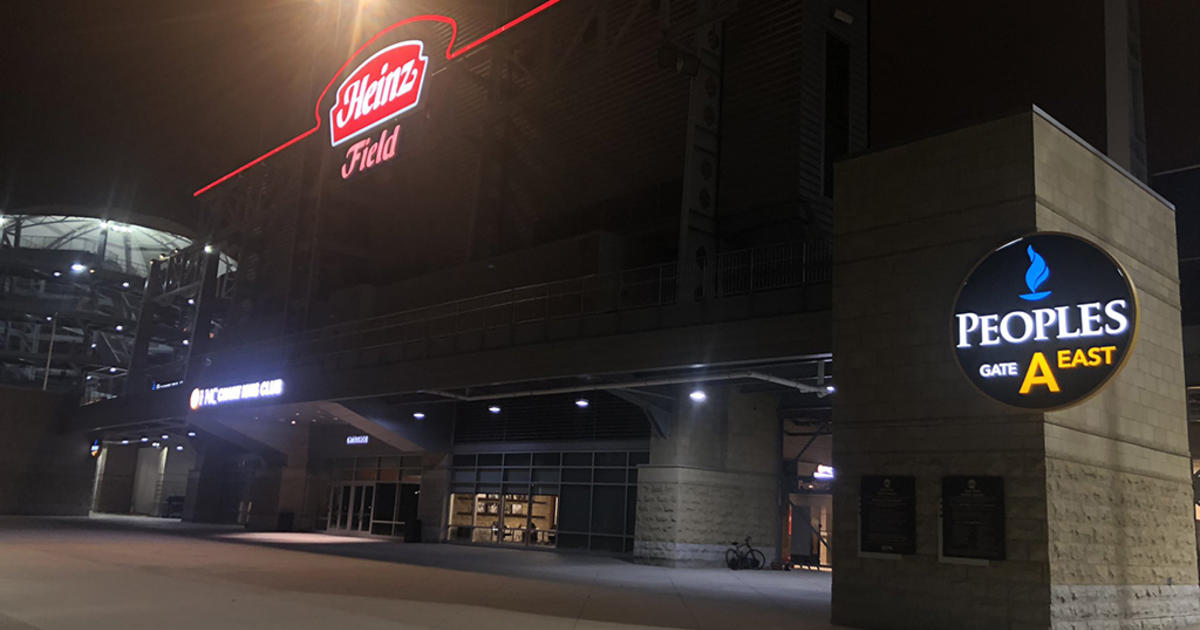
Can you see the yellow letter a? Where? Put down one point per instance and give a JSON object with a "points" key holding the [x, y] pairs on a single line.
{"points": [[1039, 374]]}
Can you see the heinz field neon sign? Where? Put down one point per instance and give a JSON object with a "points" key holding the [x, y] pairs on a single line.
{"points": [[381, 88], [385, 86]]}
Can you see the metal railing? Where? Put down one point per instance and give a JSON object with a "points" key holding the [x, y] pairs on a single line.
{"points": [[386, 337], [773, 267]]}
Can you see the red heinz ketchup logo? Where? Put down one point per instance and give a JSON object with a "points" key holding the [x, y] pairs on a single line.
{"points": [[384, 86], [367, 99]]}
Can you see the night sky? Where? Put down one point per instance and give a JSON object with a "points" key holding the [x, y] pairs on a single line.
{"points": [[136, 103]]}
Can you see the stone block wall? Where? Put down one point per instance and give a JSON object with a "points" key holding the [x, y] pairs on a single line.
{"points": [[43, 471], [714, 479], [689, 516], [1121, 520], [1097, 495], [910, 221]]}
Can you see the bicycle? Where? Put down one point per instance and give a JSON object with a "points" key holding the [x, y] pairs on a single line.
{"points": [[744, 556]]}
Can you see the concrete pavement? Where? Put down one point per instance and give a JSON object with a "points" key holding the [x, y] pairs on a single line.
{"points": [[148, 573]]}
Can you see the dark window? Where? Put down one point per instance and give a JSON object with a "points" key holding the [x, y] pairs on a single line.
{"points": [[577, 459], [409, 498], [516, 459], [574, 508], [577, 475], [630, 509], [610, 475], [545, 459], [608, 509], [385, 501], [610, 459], [608, 543], [837, 106], [572, 541]]}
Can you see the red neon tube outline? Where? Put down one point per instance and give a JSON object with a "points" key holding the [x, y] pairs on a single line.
{"points": [[451, 54]]}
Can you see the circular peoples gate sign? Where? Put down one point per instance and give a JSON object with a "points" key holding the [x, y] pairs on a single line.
{"points": [[1044, 321]]}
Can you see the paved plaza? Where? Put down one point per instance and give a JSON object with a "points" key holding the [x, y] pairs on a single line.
{"points": [[130, 573]]}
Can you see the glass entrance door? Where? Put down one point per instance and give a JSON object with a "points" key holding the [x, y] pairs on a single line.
{"points": [[350, 506]]}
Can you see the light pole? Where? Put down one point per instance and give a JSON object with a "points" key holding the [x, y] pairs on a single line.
{"points": [[50, 352]]}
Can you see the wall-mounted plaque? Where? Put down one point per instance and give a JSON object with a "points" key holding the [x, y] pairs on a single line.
{"points": [[888, 514], [973, 517]]}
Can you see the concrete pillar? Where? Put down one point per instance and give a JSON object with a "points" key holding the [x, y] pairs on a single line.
{"points": [[279, 490], [216, 486], [713, 479], [1098, 517], [433, 503], [43, 471], [114, 481]]}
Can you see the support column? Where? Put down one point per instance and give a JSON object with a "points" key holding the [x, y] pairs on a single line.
{"points": [[433, 503], [1098, 506], [714, 479], [114, 481]]}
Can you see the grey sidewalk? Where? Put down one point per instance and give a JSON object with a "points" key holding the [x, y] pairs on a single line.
{"points": [[148, 573]]}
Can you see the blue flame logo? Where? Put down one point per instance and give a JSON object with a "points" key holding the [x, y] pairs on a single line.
{"points": [[1037, 274]]}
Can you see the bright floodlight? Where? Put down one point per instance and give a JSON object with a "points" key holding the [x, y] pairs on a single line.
{"points": [[208, 249], [698, 395], [191, 434], [118, 328], [494, 409], [179, 449], [78, 267], [419, 415], [124, 285], [582, 403], [830, 388], [145, 439], [165, 436]]}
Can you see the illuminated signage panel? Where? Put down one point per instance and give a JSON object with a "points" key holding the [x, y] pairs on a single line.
{"points": [[232, 393], [1044, 321], [386, 85], [358, 439]]}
